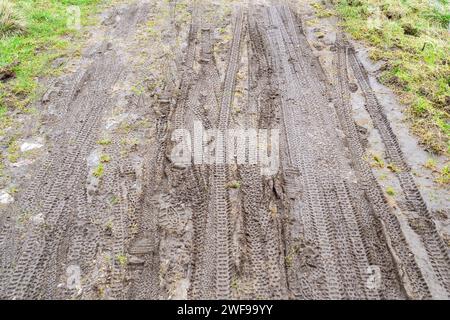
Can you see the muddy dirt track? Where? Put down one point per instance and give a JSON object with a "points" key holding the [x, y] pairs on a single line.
{"points": [[148, 228]]}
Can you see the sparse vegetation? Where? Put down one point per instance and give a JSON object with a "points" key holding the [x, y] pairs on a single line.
{"points": [[288, 260], [13, 151], [24, 217], [109, 227], [430, 164], [234, 185], [390, 191], [101, 291], [32, 34], [121, 259], [129, 142], [444, 175], [411, 37], [104, 158], [98, 171], [321, 11], [377, 161], [11, 21], [114, 200], [393, 167], [104, 142], [234, 284]]}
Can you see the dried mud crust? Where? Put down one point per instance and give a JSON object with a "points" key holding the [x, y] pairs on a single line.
{"points": [[142, 227]]}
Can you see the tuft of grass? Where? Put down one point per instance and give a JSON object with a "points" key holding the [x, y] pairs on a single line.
{"points": [[431, 164], [393, 167], [11, 21], [235, 284], [121, 259], [321, 11], [444, 175], [234, 185], [32, 34], [288, 259], [390, 191], [13, 151], [104, 142], [104, 158], [377, 161], [98, 171], [24, 217], [411, 37]]}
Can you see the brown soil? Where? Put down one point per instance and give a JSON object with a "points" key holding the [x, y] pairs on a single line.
{"points": [[103, 195]]}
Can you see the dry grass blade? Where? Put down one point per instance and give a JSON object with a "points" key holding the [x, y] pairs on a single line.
{"points": [[11, 22]]}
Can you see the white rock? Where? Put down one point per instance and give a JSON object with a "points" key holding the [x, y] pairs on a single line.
{"points": [[22, 163], [38, 219], [6, 198], [93, 159], [113, 122], [27, 146]]}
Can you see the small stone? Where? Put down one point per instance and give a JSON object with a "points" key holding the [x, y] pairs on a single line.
{"points": [[6, 198], [93, 159], [38, 219], [27, 146], [353, 87]]}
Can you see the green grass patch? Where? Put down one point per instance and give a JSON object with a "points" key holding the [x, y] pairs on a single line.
{"points": [[234, 185], [32, 34], [121, 259], [104, 142], [321, 11], [390, 191], [13, 151], [412, 38], [377, 161], [105, 158], [444, 175], [431, 164], [98, 171], [11, 21]]}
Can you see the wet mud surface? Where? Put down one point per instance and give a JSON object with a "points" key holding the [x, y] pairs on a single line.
{"points": [[104, 212]]}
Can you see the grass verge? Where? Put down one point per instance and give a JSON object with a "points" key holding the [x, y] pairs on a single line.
{"points": [[32, 34], [412, 38]]}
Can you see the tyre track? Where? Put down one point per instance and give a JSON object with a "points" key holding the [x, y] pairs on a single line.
{"points": [[220, 201], [313, 231], [435, 247], [300, 82], [403, 256], [261, 232], [57, 196]]}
